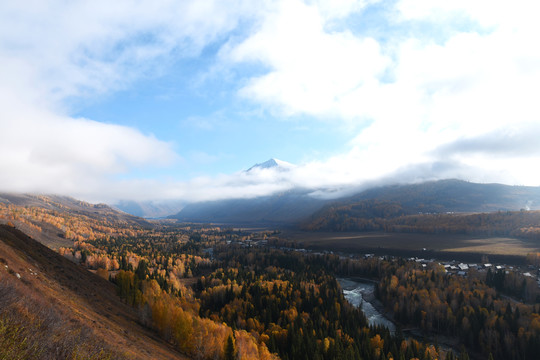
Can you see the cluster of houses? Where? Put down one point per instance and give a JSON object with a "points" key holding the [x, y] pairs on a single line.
{"points": [[450, 267], [461, 269]]}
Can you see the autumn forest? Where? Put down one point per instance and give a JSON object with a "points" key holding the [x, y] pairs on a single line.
{"points": [[221, 293]]}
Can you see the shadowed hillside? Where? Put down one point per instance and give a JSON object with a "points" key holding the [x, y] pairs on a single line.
{"points": [[385, 202], [430, 207], [453, 196], [281, 209]]}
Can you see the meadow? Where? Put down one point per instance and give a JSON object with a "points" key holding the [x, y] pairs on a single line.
{"points": [[444, 246]]}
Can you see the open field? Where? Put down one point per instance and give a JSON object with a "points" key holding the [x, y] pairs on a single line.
{"points": [[406, 243], [498, 245]]}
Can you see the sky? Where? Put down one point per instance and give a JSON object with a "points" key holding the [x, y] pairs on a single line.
{"points": [[156, 100]]}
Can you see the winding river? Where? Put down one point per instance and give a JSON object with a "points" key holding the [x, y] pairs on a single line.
{"points": [[362, 294]]}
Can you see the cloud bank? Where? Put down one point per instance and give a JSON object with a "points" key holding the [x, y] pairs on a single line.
{"points": [[55, 52], [429, 89]]}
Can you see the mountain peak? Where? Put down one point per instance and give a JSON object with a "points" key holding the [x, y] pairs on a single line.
{"points": [[272, 163]]}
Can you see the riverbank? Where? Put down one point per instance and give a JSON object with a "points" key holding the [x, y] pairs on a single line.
{"points": [[360, 292], [362, 295], [372, 298]]}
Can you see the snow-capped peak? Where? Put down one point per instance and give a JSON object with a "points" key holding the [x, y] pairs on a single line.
{"points": [[273, 163]]}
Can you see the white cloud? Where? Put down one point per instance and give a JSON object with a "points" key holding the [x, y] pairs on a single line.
{"points": [[416, 91], [54, 51], [413, 93], [46, 152], [80, 47], [311, 70]]}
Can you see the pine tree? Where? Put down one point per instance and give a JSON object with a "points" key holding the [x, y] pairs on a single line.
{"points": [[229, 349]]}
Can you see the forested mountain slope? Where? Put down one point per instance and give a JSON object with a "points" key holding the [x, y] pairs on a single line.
{"points": [[296, 206], [280, 209], [453, 196], [445, 205], [59, 221]]}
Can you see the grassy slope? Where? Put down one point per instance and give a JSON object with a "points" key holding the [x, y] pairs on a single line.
{"points": [[63, 306]]}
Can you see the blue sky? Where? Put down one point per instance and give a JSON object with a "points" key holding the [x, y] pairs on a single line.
{"points": [[173, 99], [213, 130]]}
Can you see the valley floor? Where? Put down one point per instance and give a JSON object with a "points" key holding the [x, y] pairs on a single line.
{"points": [[413, 243]]}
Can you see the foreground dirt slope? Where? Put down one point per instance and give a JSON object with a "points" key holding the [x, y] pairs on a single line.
{"points": [[82, 299]]}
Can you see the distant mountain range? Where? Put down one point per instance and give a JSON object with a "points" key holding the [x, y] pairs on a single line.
{"points": [[165, 208], [150, 209], [453, 196], [281, 209], [295, 206], [284, 208], [299, 206], [431, 206]]}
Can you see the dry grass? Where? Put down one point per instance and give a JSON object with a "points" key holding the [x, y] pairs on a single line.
{"points": [[32, 327], [362, 241], [498, 246], [64, 311]]}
